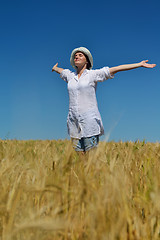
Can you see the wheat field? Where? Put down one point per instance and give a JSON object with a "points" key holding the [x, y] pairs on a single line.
{"points": [[49, 192]]}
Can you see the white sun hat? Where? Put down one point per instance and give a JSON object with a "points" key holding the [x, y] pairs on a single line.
{"points": [[83, 50]]}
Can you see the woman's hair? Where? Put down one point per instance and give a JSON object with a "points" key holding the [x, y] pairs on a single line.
{"points": [[88, 62]]}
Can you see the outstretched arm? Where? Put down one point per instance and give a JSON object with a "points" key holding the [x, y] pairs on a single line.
{"points": [[126, 67], [57, 69]]}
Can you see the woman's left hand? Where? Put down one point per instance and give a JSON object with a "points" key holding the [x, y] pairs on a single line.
{"points": [[147, 65]]}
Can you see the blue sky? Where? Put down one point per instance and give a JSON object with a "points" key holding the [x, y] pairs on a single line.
{"points": [[37, 34]]}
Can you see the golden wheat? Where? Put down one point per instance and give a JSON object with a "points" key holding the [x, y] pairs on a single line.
{"points": [[49, 192]]}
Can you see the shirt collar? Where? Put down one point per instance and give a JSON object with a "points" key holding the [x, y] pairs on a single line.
{"points": [[84, 73]]}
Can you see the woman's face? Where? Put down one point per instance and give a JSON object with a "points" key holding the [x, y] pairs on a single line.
{"points": [[80, 59]]}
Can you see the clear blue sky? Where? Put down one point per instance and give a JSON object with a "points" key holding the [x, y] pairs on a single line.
{"points": [[37, 34]]}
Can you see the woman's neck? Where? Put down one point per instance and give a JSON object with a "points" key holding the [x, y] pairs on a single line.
{"points": [[80, 70]]}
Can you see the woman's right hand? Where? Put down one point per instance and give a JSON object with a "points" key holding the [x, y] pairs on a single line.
{"points": [[57, 69], [54, 67]]}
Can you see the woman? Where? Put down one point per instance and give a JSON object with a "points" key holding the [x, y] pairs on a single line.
{"points": [[84, 121]]}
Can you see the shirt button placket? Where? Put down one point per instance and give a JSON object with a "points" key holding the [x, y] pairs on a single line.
{"points": [[78, 112]]}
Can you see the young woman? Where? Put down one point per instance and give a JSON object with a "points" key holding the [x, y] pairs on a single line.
{"points": [[84, 121]]}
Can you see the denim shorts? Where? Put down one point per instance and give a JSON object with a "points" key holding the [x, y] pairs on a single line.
{"points": [[86, 143]]}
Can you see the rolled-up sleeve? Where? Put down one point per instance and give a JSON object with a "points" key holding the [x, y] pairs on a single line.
{"points": [[102, 74], [65, 75]]}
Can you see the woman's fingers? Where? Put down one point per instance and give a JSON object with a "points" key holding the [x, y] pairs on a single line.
{"points": [[147, 65], [54, 67]]}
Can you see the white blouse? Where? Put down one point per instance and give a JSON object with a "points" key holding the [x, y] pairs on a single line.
{"points": [[84, 119]]}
